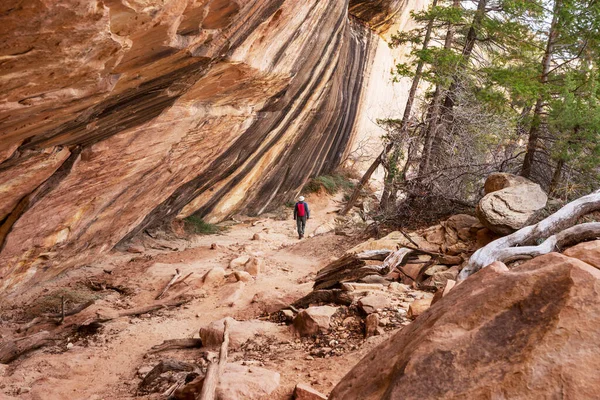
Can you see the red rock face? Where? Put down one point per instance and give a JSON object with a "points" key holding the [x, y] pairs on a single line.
{"points": [[117, 116], [529, 333]]}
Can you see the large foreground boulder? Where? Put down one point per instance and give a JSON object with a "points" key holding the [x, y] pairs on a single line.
{"points": [[513, 203], [529, 333]]}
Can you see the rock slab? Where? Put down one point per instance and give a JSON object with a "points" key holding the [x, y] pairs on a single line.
{"points": [[532, 332], [305, 392]]}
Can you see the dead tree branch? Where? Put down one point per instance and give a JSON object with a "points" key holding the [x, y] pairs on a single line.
{"points": [[557, 231]]}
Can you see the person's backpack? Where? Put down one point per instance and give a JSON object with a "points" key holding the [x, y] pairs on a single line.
{"points": [[301, 210]]}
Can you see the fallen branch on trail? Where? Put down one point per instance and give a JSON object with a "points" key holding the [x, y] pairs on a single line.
{"points": [[161, 368], [334, 296], [12, 349], [215, 369], [177, 344], [53, 318], [557, 231]]}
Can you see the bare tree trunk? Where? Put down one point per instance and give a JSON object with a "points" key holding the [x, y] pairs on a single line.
{"points": [[534, 131], [403, 124], [435, 109], [557, 230], [556, 176]]}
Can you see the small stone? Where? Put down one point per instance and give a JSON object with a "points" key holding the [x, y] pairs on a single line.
{"points": [[143, 370], [23, 390], [253, 266], [257, 236], [243, 276], [135, 248], [371, 324], [288, 315], [239, 262], [309, 358], [70, 345], [384, 321], [214, 246], [434, 269], [398, 287]]}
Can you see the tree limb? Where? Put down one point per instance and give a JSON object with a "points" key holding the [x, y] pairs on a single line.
{"points": [[557, 230]]}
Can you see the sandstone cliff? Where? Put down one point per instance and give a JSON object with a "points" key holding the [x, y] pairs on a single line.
{"points": [[118, 115]]}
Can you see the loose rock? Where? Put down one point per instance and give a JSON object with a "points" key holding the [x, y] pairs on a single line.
{"points": [[371, 325], [305, 392], [370, 304], [214, 277], [418, 307], [313, 320]]}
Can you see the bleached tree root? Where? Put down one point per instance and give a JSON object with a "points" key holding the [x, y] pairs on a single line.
{"points": [[556, 231]]}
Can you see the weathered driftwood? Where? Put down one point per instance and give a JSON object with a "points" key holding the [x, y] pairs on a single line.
{"points": [[215, 369], [335, 296], [352, 268], [161, 368], [53, 318], [557, 231], [171, 282], [191, 343], [12, 349]]}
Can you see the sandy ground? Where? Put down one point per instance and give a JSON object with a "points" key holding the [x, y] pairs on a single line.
{"points": [[105, 365]]}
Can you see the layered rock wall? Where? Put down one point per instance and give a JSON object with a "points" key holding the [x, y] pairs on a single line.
{"points": [[117, 115]]}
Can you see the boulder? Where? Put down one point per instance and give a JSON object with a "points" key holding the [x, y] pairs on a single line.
{"points": [[511, 208], [532, 332], [270, 301], [502, 180], [305, 392], [370, 304], [313, 320], [214, 277], [239, 331]]}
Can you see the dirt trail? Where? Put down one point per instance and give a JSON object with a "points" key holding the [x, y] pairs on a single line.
{"points": [[105, 365]]}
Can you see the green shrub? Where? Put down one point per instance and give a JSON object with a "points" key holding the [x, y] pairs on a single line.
{"points": [[197, 225], [330, 183]]}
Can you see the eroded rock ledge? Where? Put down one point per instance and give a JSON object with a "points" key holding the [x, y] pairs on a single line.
{"points": [[117, 115]]}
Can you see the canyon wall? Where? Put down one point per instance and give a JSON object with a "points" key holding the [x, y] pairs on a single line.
{"points": [[118, 115]]}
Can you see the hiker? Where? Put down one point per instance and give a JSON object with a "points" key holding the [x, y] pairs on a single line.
{"points": [[301, 214]]}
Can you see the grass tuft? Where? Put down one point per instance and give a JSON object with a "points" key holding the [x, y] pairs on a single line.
{"points": [[197, 225]]}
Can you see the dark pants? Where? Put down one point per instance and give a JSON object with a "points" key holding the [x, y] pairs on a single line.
{"points": [[301, 223]]}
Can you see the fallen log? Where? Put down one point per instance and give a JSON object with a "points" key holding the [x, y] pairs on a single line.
{"points": [[161, 368], [215, 369], [557, 231], [12, 349], [53, 318], [335, 296], [172, 344], [171, 282]]}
